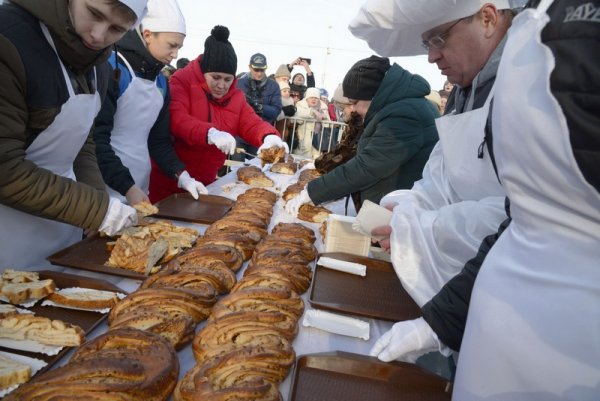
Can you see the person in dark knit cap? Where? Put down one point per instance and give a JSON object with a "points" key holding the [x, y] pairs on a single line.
{"points": [[207, 111], [398, 137]]}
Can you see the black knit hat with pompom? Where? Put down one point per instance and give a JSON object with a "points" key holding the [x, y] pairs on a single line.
{"points": [[219, 55]]}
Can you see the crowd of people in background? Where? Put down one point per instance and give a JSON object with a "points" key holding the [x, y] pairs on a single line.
{"points": [[493, 180]]}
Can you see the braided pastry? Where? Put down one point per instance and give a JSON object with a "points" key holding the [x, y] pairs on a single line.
{"points": [[177, 329], [173, 301], [295, 230], [300, 276], [124, 364], [274, 256], [260, 300], [296, 245], [308, 175], [244, 244], [272, 281], [285, 168], [258, 195], [207, 255], [292, 191], [194, 387], [195, 278]]}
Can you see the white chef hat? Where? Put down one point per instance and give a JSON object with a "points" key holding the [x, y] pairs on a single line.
{"points": [[394, 27], [138, 7], [164, 16]]}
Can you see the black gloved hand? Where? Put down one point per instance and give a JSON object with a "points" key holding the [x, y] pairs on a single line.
{"points": [[289, 110]]}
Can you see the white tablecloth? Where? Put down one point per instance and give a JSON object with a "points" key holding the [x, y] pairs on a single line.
{"points": [[309, 340]]}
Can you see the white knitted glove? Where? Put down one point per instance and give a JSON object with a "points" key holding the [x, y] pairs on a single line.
{"points": [[407, 341], [271, 141], [222, 140], [194, 187], [118, 216], [293, 205]]}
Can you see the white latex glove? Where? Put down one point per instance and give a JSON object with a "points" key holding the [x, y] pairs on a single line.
{"points": [[406, 341], [194, 187], [118, 216], [222, 140], [271, 141], [293, 205]]}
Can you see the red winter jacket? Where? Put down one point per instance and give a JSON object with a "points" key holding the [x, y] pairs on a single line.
{"points": [[193, 113]]}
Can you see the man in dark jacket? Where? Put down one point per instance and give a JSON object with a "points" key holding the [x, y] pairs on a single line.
{"points": [[261, 93], [398, 136]]}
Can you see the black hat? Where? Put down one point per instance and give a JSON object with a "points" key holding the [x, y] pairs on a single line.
{"points": [[258, 61], [363, 79], [219, 55]]}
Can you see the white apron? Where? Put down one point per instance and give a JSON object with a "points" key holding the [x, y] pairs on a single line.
{"points": [[137, 110], [30, 239], [429, 247], [533, 330]]}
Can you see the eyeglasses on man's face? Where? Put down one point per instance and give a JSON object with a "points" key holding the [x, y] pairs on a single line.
{"points": [[259, 69], [439, 41]]}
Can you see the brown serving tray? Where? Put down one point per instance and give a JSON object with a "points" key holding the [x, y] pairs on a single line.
{"points": [[91, 254], [206, 210], [378, 295], [85, 319], [342, 376]]}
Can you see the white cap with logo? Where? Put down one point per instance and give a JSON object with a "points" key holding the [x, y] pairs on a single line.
{"points": [[394, 27], [138, 7], [164, 16]]}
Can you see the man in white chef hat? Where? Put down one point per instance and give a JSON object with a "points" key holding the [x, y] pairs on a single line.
{"points": [[438, 225]]}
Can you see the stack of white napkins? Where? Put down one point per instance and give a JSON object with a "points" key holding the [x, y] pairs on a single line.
{"points": [[337, 324], [341, 237], [342, 265], [371, 215]]}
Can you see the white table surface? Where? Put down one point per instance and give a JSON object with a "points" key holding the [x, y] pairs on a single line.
{"points": [[309, 340]]}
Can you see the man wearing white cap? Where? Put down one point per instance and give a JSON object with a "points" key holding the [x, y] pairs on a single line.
{"points": [[53, 75], [133, 124], [439, 224]]}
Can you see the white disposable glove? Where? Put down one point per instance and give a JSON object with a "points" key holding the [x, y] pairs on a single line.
{"points": [[271, 141], [118, 216], [293, 205], [407, 341], [194, 187], [222, 140]]}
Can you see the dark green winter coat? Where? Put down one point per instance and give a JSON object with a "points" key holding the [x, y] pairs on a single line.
{"points": [[399, 134]]}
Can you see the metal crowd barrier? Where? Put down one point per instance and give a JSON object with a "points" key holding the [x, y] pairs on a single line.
{"points": [[304, 140]]}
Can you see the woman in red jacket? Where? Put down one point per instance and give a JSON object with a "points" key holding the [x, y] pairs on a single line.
{"points": [[207, 112]]}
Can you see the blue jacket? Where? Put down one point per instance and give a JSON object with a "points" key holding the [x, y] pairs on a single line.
{"points": [[271, 96]]}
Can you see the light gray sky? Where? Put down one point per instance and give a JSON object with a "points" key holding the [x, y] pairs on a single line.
{"points": [[283, 30]]}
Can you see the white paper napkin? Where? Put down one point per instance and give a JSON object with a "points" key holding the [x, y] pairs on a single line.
{"points": [[371, 215], [343, 266], [336, 324]]}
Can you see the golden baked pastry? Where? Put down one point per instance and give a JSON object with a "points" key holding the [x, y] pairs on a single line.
{"points": [[260, 300], [292, 191], [258, 195], [123, 364], [174, 301], [26, 326], [294, 230], [194, 277], [245, 244], [22, 286], [272, 155], [271, 281], [12, 372], [292, 244], [145, 208], [195, 387], [84, 298], [253, 176], [210, 254], [284, 168], [308, 175], [177, 329], [312, 213], [298, 275]]}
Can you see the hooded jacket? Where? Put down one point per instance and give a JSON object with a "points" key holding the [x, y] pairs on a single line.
{"points": [[115, 174], [193, 112], [33, 92], [398, 136]]}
